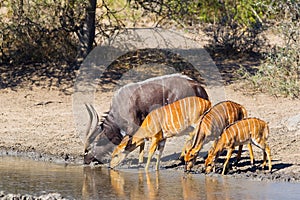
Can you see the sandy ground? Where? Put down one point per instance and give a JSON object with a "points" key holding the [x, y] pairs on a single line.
{"points": [[39, 124]]}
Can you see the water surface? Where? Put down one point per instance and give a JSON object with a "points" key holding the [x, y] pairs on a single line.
{"points": [[77, 182]]}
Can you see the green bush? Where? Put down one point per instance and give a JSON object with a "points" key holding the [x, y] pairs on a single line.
{"points": [[237, 26], [37, 32], [279, 75]]}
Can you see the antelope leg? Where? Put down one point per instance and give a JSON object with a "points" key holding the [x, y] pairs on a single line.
{"points": [[160, 149], [251, 154], [142, 151], [155, 140], [150, 154], [268, 152], [238, 157], [229, 153]]}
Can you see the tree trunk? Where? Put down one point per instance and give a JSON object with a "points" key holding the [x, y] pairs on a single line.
{"points": [[86, 33]]}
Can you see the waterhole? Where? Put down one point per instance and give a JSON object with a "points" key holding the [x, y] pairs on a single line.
{"points": [[24, 176]]}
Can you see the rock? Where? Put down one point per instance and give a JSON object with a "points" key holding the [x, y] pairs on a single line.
{"points": [[50, 196], [292, 123]]}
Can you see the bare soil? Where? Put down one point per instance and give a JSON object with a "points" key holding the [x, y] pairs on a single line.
{"points": [[38, 123]]}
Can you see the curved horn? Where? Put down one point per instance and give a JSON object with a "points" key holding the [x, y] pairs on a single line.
{"points": [[93, 122]]}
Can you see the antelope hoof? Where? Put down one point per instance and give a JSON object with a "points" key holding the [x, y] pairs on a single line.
{"points": [[186, 170], [270, 170], [209, 169], [140, 165]]}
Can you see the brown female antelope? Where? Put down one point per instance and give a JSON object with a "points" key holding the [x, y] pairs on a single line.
{"points": [[241, 132], [162, 123], [211, 126]]}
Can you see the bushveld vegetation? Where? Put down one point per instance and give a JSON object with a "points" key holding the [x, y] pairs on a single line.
{"points": [[52, 37], [279, 74]]}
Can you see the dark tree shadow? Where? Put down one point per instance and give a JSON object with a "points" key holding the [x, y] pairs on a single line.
{"points": [[280, 166], [63, 76], [229, 64]]}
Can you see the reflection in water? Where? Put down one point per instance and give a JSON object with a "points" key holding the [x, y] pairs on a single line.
{"points": [[117, 183], [168, 184], [102, 183], [215, 189], [25, 176], [188, 183], [36, 178]]}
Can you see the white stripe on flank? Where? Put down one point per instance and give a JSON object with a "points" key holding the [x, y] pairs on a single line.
{"points": [[159, 120], [231, 113], [157, 114], [195, 106], [208, 118], [218, 116], [149, 124], [164, 118], [179, 118], [254, 129], [214, 123], [238, 130], [205, 127], [221, 122], [183, 113], [226, 135], [245, 132], [188, 108], [172, 120], [225, 112], [249, 128], [246, 129], [232, 133]]}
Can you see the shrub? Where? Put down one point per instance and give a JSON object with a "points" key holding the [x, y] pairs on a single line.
{"points": [[238, 26], [34, 32], [279, 75]]}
